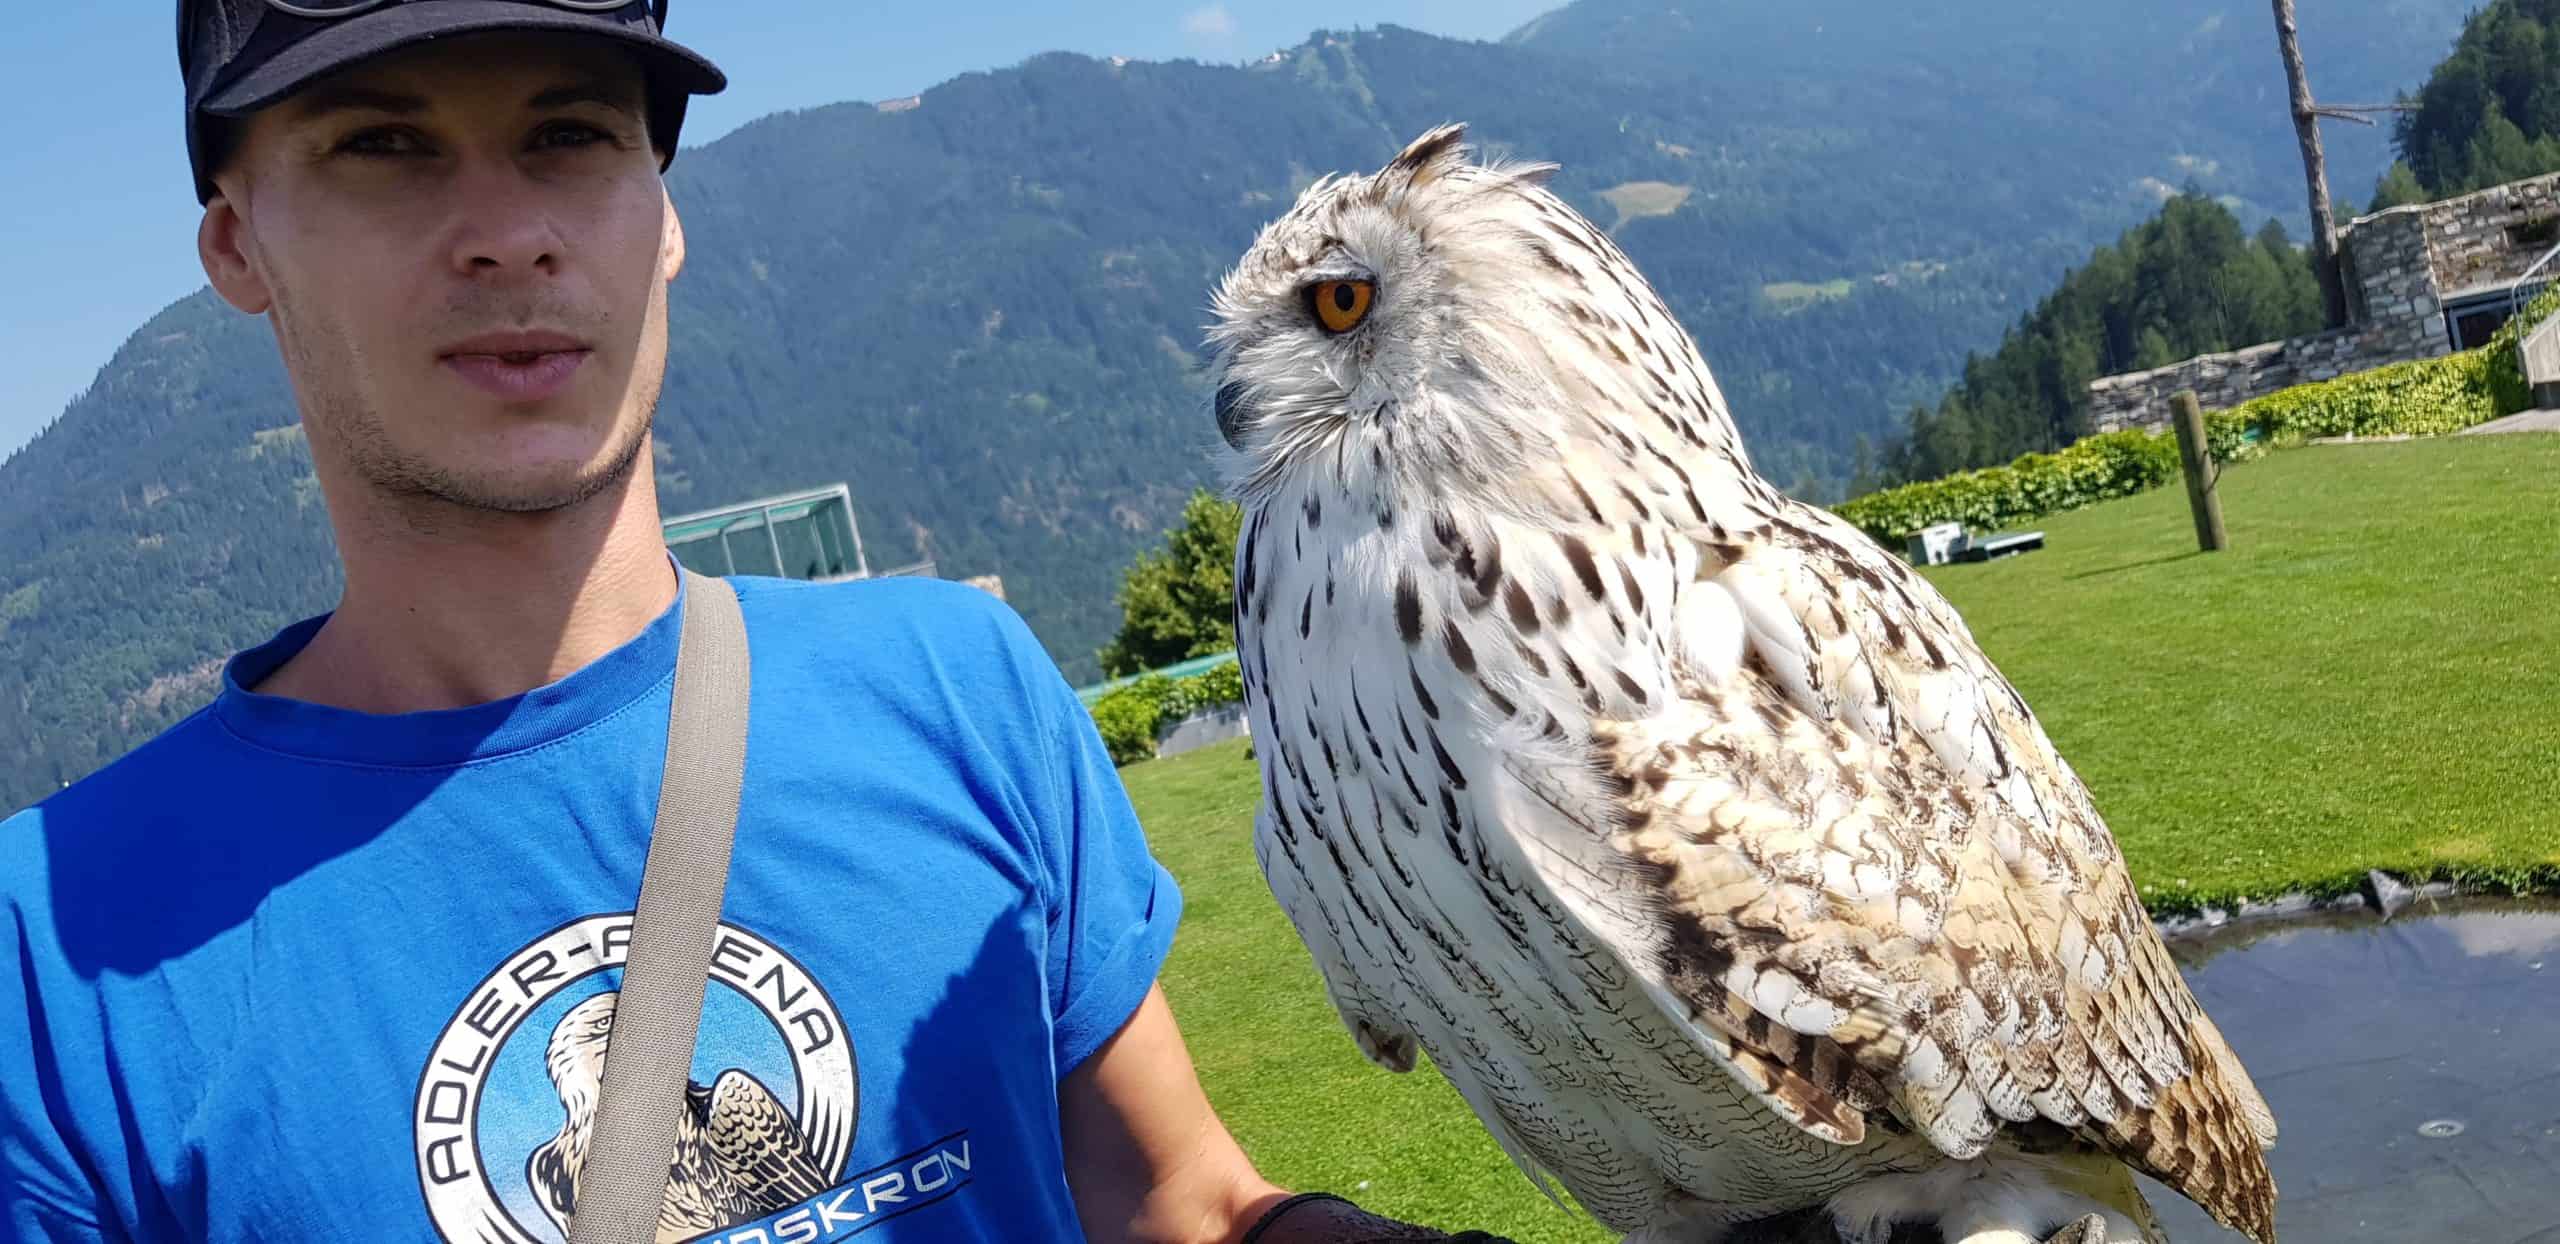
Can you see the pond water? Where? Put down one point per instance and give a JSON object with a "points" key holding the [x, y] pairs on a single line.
{"points": [[2414, 1069]]}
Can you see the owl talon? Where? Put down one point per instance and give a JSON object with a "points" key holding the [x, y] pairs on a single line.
{"points": [[1861, 1232], [2089, 1230], [1393, 1051]]}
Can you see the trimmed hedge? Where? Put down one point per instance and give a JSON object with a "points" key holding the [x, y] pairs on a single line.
{"points": [[2429, 397], [1132, 714], [2111, 464]]}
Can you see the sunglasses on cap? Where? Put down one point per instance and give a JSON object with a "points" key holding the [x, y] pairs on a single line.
{"points": [[238, 56], [323, 10]]}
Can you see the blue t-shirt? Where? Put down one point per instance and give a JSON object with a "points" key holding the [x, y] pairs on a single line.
{"points": [[296, 973]]}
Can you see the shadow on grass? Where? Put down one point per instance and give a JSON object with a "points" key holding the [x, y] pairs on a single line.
{"points": [[2149, 561]]}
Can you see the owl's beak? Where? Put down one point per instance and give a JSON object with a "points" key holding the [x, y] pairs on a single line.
{"points": [[1233, 410]]}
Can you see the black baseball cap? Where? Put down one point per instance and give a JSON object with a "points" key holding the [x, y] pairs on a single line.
{"points": [[239, 56]]}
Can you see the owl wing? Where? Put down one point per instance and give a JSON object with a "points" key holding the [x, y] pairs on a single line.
{"points": [[1382, 1038], [759, 1143], [1840, 849], [1898, 666]]}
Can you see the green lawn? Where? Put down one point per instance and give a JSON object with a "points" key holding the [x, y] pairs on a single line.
{"points": [[2367, 678]]}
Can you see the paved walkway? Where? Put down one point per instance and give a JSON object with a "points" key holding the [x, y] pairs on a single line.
{"points": [[2529, 421]]}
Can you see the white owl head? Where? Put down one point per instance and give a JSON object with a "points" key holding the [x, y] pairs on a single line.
{"points": [[1440, 324]]}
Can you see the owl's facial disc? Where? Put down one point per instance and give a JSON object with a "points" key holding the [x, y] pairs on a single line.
{"points": [[1235, 406], [1323, 314]]}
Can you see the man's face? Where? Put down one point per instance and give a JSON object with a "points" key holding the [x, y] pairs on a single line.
{"points": [[465, 248]]}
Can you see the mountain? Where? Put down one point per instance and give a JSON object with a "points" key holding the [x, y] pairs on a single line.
{"points": [[981, 306], [2166, 88]]}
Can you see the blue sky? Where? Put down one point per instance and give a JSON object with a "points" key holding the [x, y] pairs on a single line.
{"points": [[100, 223]]}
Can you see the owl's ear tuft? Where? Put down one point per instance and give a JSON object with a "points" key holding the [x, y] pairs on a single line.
{"points": [[1526, 175], [1427, 158]]}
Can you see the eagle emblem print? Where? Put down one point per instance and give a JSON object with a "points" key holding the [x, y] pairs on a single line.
{"points": [[506, 1101]]}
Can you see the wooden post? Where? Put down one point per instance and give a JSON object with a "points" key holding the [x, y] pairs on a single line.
{"points": [[2315, 168], [2195, 456]]}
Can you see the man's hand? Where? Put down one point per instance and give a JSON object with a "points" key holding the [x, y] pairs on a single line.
{"points": [[1147, 1158], [1149, 1162]]}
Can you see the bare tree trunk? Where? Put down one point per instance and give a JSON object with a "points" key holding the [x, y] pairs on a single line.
{"points": [[2315, 167]]}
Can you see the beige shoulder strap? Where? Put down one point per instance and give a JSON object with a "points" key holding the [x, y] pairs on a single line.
{"points": [[624, 1181]]}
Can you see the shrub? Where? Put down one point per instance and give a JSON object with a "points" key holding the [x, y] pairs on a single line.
{"points": [[1130, 715], [1219, 684], [2429, 397], [2229, 438], [2508, 390], [2111, 464]]}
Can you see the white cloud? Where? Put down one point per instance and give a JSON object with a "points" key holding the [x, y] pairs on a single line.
{"points": [[1210, 21], [2485, 933]]}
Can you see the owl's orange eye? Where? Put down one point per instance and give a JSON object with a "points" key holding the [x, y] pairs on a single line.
{"points": [[1341, 305]]}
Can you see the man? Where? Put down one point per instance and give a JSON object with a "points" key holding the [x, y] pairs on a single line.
{"points": [[335, 958]]}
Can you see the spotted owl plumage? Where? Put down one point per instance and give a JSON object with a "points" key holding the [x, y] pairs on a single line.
{"points": [[1687, 830]]}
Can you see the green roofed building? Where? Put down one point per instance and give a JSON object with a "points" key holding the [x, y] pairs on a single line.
{"points": [[1179, 669], [800, 535]]}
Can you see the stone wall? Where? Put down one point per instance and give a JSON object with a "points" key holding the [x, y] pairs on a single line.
{"points": [[2392, 293], [2400, 267], [1214, 724], [2141, 399], [2490, 237]]}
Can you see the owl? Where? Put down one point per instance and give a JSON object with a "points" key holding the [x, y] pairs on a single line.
{"points": [[1686, 830]]}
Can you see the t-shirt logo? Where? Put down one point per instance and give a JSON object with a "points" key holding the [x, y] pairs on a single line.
{"points": [[506, 1103]]}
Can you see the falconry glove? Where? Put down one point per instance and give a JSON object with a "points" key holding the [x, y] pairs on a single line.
{"points": [[1323, 1218]]}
